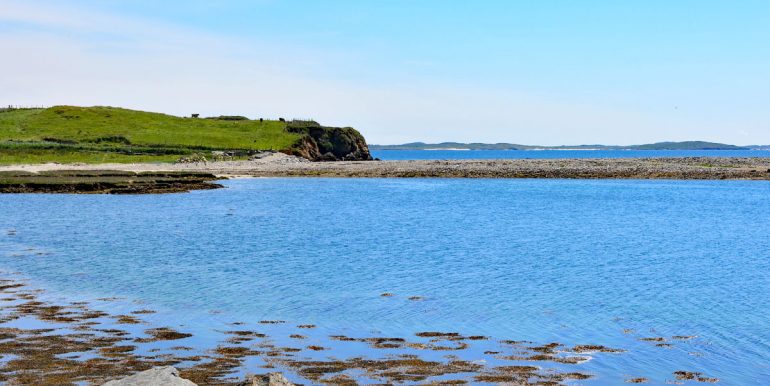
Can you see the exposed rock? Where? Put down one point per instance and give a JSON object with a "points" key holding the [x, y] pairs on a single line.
{"points": [[156, 376], [105, 182], [327, 157], [169, 376], [271, 379], [322, 143], [259, 155]]}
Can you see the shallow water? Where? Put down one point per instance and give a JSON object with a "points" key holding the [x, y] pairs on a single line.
{"points": [[392, 155], [574, 261]]}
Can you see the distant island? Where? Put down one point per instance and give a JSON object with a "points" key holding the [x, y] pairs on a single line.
{"points": [[686, 145]]}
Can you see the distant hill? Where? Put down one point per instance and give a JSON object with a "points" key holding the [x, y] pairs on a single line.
{"points": [[687, 145]]}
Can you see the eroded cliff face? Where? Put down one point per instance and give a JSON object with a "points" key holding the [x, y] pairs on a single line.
{"points": [[323, 143]]}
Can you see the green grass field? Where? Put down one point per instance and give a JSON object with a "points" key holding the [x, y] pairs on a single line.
{"points": [[69, 134]]}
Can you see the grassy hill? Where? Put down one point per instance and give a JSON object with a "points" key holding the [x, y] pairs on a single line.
{"points": [[106, 134]]}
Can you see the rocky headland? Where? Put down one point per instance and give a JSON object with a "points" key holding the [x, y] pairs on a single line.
{"points": [[323, 143], [99, 134]]}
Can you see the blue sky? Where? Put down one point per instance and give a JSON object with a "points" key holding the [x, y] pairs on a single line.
{"points": [[533, 72]]}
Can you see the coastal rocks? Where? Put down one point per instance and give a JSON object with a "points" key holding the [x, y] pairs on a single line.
{"points": [[156, 376], [271, 379], [306, 148], [323, 143], [275, 158], [105, 182], [169, 376], [258, 155]]}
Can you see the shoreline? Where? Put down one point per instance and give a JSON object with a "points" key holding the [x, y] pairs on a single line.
{"points": [[281, 165]]}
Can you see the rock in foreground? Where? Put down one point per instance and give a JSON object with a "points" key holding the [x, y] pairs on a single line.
{"points": [[271, 379], [169, 376], [156, 376]]}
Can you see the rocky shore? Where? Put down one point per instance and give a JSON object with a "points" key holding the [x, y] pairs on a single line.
{"points": [[58, 342], [628, 168], [105, 182], [281, 165]]}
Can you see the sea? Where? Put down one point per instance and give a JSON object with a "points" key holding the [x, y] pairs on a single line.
{"points": [[626, 264]]}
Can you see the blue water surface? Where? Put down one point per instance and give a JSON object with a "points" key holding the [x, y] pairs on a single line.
{"points": [[572, 261], [392, 155]]}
